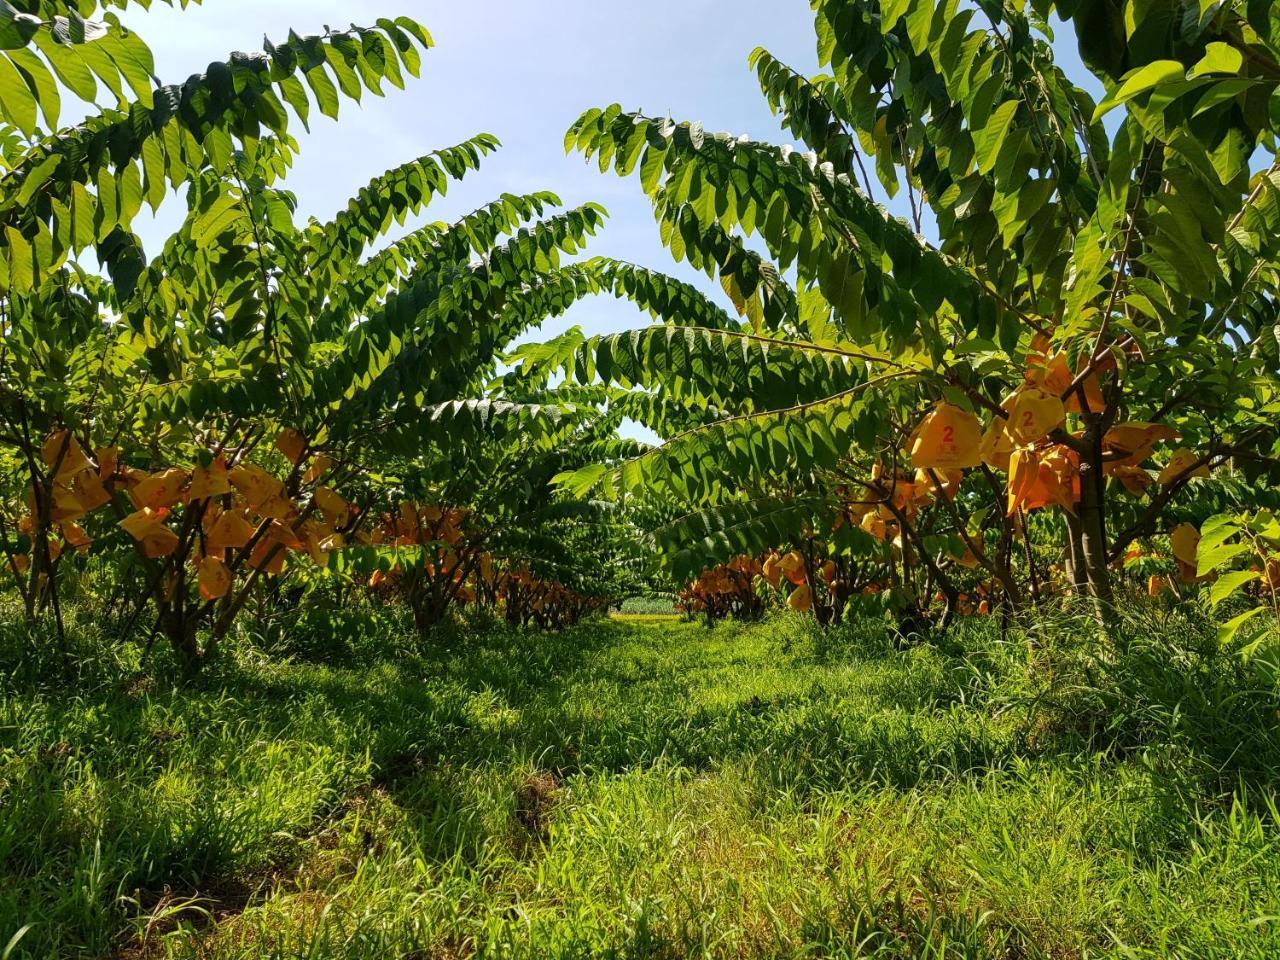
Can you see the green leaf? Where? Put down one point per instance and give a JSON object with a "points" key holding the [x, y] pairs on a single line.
{"points": [[1217, 530], [1224, 91], [39, 77], [891, 11], [21, 260], [16, 98], [37, 178], [16, 29], [325, 92], [579, 483], [1231, 156], [1227, 585], [1211, 559], [1140, 81], [988, 141], [1227, 632], [212, 222], [1218, 58]]}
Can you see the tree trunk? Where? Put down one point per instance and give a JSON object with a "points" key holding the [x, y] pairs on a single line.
{"points": [[1073, 555], [949, 591], [999, 568], [1093, 524], [180, 631], [428, 610]]}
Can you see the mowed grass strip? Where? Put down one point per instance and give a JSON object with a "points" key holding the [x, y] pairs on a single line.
{"points": [[657, 789]]}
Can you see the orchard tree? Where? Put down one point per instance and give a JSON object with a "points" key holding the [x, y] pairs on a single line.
{"points": [[474, 515], [75, 190], [219, 407], [1097, 322]]}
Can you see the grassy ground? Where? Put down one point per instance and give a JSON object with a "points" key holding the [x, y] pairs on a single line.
{"points": [[648, 606], [648, 788]]}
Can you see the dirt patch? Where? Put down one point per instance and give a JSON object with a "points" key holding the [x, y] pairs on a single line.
{"points": [[160, 913], [310, 863], [536, 797]]}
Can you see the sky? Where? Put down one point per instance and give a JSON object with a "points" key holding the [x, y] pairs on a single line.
{"points": [[522, 70]]}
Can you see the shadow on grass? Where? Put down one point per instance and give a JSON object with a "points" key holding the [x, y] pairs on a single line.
{"points": [[469, 711], [611, 696]]}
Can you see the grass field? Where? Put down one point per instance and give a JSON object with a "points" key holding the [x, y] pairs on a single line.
{"points": [[649, 788]]}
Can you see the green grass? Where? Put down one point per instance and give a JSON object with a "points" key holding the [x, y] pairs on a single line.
{"points": [[649, 606], [648, 789], [646, 618]]}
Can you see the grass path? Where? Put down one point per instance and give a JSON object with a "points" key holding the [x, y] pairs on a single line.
{"points": [[633, 788]]}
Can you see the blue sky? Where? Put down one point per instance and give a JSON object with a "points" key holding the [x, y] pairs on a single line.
{"points": [[523, 71]]}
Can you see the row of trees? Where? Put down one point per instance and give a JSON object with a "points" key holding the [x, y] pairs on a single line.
{"points": [[1073, 391], [1084, 363], [265, 393]]}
